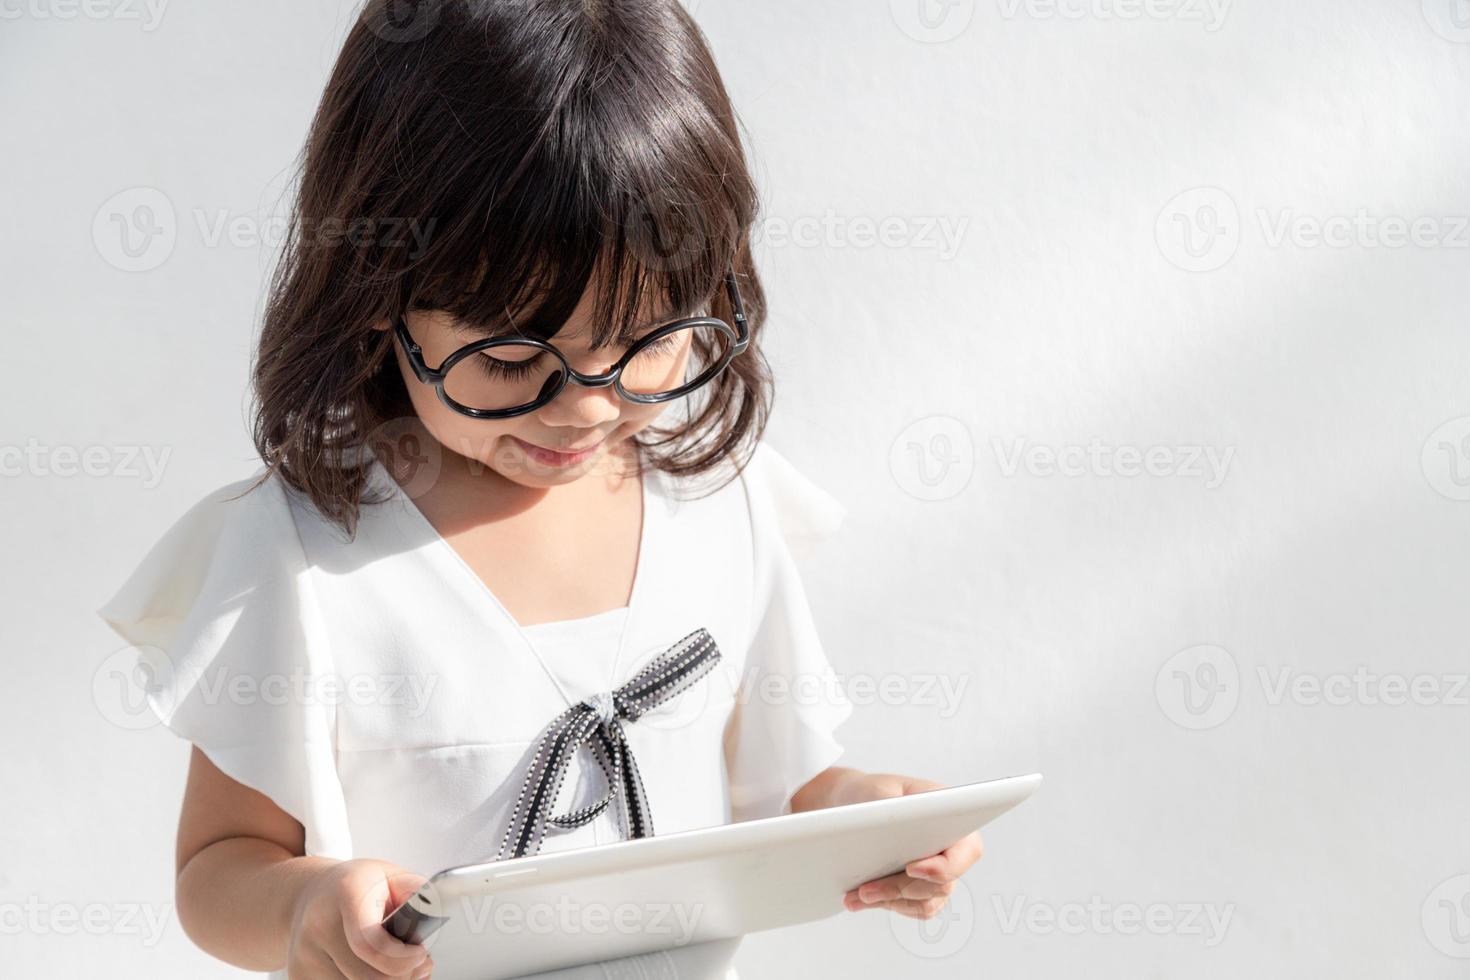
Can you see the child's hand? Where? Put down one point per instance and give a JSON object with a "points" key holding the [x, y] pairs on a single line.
{"points": [[337, 931], [924, 886]]}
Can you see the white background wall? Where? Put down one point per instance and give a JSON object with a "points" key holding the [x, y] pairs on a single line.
{"points": [[1126, 635]]}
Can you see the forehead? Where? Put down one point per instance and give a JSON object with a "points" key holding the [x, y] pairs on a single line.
{"points": [[582, 326]]}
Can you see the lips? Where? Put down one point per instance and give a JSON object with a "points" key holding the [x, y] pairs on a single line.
{"points": [[570, 451]]}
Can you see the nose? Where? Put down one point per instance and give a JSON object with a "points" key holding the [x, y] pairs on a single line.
{"points": [[581, 406]]}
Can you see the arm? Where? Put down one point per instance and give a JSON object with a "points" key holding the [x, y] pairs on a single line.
{"points": [[247, 894], [924, 886]]}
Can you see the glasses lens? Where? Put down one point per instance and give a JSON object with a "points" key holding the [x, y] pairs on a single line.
{"points": [[503, 377], [679, 360]]}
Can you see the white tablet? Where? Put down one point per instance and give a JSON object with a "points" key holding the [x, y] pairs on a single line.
{"points": [[563, 908]]}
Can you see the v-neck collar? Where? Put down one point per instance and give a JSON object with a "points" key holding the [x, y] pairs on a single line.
{"points": [[653, 506]]}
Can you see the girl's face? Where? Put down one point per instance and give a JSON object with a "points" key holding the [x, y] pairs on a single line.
{"points": [[595, 420]]}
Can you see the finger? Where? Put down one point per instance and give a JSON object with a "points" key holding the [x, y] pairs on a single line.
{"points": [[912, 908], [905, 887], [353, 967], [918, 909], [375, 948], [916, 784], [898, 886], [951, 862], [370, 943], [350, 966], [315, 965], [889, 886]]}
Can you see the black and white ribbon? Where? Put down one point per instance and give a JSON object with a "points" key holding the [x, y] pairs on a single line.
{"points": [[597, 723]]}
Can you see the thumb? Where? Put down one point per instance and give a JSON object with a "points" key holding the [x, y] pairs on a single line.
{"points": [[401, 886], [383, 889], [917, 784]]}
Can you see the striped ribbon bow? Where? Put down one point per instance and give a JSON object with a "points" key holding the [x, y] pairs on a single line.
{"points": [[597, 723]]}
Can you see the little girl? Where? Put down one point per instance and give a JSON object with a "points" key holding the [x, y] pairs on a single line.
{"points": [[465, 533]]}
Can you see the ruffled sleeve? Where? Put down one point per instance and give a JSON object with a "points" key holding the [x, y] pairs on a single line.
{"points": [[790, 700], [221, 618]]}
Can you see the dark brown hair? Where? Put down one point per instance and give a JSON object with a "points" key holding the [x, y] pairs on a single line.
{"points": [[490, 158]]}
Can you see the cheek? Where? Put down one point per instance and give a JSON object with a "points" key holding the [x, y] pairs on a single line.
{"points": [[478, 439], [635, 416], [473, 438]]}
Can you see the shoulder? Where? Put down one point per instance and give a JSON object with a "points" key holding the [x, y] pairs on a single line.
{"points": [[780, 494], [257, 512], [234, 541]]}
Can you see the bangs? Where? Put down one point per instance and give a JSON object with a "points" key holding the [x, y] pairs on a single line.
{"points": [[608, 178]]}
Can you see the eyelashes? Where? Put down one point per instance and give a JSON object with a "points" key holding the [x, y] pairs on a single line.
{"points": [[496, 367]]}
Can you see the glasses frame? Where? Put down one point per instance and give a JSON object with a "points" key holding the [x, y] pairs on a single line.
{"points": [[740, 333]]}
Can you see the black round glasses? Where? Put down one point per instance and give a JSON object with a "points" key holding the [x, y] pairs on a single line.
{"points": [[502, 377]]}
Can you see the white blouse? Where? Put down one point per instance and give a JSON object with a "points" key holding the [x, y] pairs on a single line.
{"points": [[580, 654], [378, 692]]}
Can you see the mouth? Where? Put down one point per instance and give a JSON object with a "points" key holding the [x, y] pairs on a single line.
{"points": [[557, 457]]}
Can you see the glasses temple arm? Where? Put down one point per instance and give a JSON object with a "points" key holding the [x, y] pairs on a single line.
{"points": [[738, 307]]}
